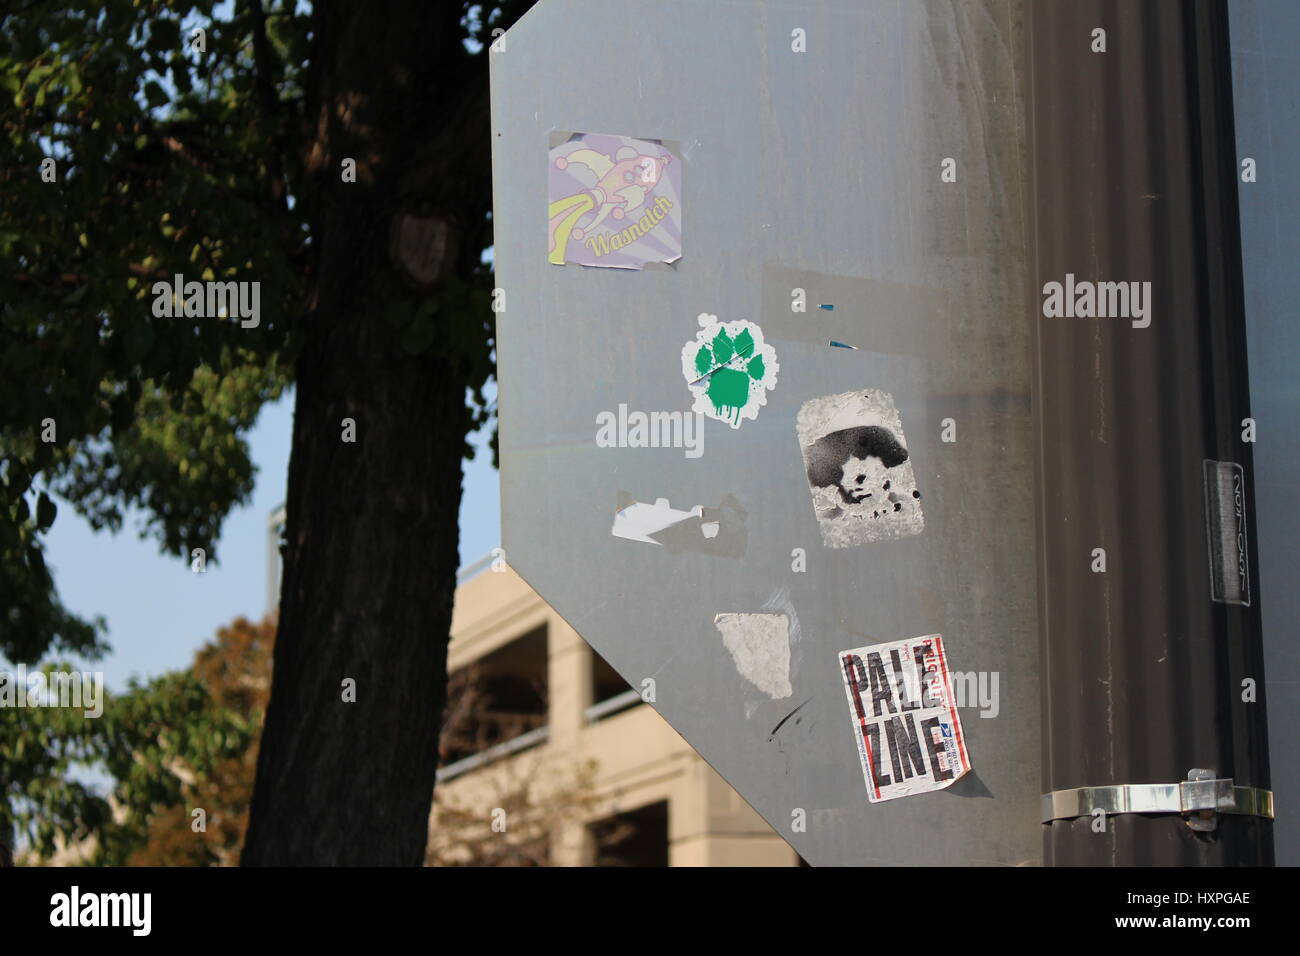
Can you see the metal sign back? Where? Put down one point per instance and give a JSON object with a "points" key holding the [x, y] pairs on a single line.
{"points": [[867, 158]]}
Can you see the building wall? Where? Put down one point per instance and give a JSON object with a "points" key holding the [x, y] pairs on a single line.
{"points": [[636, 758]]}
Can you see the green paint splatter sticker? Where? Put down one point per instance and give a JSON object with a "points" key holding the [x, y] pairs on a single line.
{"points": [[729, 369]]}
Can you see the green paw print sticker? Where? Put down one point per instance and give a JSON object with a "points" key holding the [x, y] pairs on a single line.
{"points": [[729, 369]]}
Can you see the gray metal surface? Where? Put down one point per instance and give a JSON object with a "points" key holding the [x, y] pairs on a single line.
{"points": [[818, 169], [1266, 78]]}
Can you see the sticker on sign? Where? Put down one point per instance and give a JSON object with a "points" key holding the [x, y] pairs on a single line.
{"points": [[615, 202], [904, 717], [729, 369], [859, 470]]}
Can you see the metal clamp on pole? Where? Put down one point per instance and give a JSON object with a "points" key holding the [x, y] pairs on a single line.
{"points": [[1199, 798]]}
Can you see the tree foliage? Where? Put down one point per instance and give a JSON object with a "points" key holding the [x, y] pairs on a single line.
{"points": [[168, 159], [164, 163], [188, 741], [146, 140], [180, 742]]}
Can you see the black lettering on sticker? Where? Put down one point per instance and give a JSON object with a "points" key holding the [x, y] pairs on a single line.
{"points": [[935, 749], [918, 657], [900, 683], [880, 689], [904, 747], [877, 772], [852, 668]]}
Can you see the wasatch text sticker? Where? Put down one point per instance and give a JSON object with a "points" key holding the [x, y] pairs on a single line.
{"points": [[615, 202], [904, 717]]}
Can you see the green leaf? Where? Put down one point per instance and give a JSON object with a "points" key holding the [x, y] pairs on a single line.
{"points": [[703, 360], [744, 343], [45, 511], [722, 347], [36, 560], [164, 35], [155, 95]]}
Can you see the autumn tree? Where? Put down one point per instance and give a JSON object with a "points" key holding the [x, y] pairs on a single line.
{"points": [[180, 752], [205, 825], [338, 156], [167, 747]]}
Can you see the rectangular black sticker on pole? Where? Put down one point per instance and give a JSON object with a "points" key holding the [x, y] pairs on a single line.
{"points": [[1225, 522]]}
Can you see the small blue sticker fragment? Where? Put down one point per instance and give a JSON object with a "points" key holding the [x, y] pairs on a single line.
{"points": [[828, 308]]}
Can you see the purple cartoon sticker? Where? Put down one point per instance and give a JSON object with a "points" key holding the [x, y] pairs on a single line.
{"points": [[615, 202]]}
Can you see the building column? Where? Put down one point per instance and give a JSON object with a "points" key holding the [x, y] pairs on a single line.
{"points": [[569, 664]]}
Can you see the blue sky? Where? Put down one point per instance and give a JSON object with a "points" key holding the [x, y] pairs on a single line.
{"points": [[159, 612]]}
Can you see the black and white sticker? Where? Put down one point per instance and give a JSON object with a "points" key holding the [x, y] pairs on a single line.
{"points": [[859, 469]]}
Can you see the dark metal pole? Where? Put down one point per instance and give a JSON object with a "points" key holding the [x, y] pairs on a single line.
{"points": [[1133, 179]]}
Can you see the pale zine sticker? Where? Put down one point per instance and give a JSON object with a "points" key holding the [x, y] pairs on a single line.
{"points": [[904, 717], [729, 369], [859, 470], [615, 202]]}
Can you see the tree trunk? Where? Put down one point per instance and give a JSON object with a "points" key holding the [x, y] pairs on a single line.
{"points": [[371, 539]]}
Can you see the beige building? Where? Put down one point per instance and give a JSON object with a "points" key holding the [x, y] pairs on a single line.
{"points": [[554, 750]]}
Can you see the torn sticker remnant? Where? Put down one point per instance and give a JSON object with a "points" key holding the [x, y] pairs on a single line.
{"points": [[760, 647], [729, 369], [905, 719], [859, 470], [615, 202], [638, 521], [719, 531]]}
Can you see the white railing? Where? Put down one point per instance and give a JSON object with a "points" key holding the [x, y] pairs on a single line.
{"points": [[475, 568], [512, 746], [613, 705]]}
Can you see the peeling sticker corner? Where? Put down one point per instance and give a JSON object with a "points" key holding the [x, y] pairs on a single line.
{"points": [[760, 647], [905, 720]]}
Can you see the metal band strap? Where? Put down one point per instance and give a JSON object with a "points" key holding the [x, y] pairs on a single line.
{"points": [[1188, 796]]}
